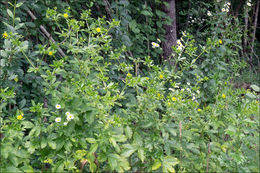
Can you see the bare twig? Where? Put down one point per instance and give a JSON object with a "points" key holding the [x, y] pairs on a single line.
{"points": [[46, 33]]}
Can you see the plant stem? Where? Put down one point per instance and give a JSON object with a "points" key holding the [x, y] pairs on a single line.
{"points": [[14, 12]]}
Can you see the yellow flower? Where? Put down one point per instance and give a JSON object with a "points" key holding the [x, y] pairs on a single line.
{"points": [[223, 96], [128, 75], [199, 110], [190, 118], [220, 41], [147, 78], [158, 94], [48, 161], [98, 30], [50, 53], [19, 117], [5, 35], [65, 15], [169, 103], [161, 76], [256, 102], [174, 99]]}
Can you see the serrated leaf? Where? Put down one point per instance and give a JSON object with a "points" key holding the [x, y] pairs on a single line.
{"points": [[113, 160], [128, 132], [128, 151], [168, 163], [27, 124], [156, 165], [120, 138], [140, 154]]}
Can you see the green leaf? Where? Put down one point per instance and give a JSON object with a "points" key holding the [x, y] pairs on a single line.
{"points": [[22, 103], [43, 142], [27, 124], [138, 140], [168, 163], [255, 88], [31, 24], [120, 138], [128, 132], [52, 144], [9, 12], [172, 131], [11, 169], [113, 160], [19, 4], [91, 140], [250, 95], [146, 13], [156, 165], [140, 154], [14, 160], [93, 148], [27, 169], [60, 168], [129, 150]]}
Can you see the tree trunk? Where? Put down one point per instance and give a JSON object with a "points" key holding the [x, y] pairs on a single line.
{"points": [[254, 31], [171, 33]]}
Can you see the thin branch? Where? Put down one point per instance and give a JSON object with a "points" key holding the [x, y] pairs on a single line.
{"points": [[46, 33]]}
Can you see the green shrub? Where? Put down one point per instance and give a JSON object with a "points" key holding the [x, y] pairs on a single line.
{"points": [[100, 114]]}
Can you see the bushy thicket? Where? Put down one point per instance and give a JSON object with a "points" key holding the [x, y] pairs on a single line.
{"points": [[112, 104]]}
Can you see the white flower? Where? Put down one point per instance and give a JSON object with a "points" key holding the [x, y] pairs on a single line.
{"points": [[67, 113], [179, 45], [65, 123], [188, 83], [193, 98], [192, 21], [155, 45], [209, 13], [70, 117], [198, 91], [225, 10], [159, 40], [58, 119], [58, 106], [248, 4]]}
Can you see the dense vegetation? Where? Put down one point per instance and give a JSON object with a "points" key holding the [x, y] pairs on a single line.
{"points": [[90, 86]]}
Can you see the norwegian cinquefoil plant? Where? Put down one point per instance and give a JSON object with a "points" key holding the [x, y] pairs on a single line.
{"points": [[101, 115]]}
